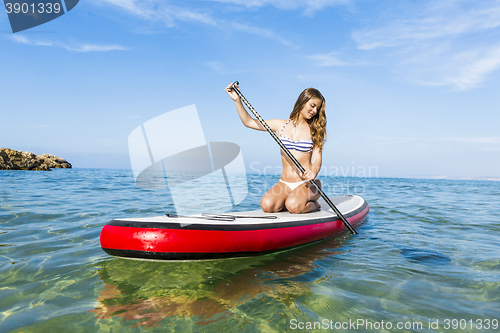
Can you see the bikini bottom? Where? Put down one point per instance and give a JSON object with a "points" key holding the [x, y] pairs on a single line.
{"points": [[294, 185]]}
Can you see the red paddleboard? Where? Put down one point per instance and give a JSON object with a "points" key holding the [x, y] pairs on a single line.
{"points": [[246, 234]]}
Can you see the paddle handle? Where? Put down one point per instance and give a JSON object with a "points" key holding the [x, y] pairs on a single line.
{"points": [[292, 158]]}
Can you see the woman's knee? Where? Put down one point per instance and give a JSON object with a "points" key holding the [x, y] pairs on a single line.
{"points": [[268, 205], [294, 206]]}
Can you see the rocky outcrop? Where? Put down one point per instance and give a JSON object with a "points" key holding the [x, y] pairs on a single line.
{"points": [[11, 159]]}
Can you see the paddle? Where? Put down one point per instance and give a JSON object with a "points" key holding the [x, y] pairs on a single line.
{"points": [[292, 158]]}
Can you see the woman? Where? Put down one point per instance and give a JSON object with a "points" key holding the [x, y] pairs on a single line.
{"points": [[304, 134]]}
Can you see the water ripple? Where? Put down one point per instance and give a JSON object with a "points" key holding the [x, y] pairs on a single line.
{"points": [[426, 252]]}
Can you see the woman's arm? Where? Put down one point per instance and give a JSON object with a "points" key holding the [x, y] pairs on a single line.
{"points": [[246, 119], [317, 158]]}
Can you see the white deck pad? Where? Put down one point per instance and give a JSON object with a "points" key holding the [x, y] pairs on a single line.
{"points": [[346, 204]]}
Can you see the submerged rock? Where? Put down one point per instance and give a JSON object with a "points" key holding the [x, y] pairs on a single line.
{"points": [[11, 159]]}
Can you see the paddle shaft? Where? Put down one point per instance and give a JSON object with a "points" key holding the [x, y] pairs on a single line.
{"points": [[292, 158]]}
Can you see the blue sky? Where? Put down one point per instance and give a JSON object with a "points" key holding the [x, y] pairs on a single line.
{"points": [[411, 86]]}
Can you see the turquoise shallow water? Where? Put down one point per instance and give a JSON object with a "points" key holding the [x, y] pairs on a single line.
{"points": [[428, 254]]}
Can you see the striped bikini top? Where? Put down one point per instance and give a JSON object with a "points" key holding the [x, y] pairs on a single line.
{"points": [[304, 146]]}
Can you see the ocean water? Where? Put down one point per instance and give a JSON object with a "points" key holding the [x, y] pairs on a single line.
{"points": [[427, 259]]}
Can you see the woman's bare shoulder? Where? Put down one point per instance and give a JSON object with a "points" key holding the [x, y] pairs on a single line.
{"points": [[276, 124]]}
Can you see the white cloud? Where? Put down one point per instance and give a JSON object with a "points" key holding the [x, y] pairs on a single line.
{"points": [[94, 48], [431, 22], [130, 6], [75, 48], [215, 66], [473, 67], [465, 139], [160, 11], [332, 59], [384, 139], [444, 43], [260, 32], [491, 149], [476, 140], [168, 14], [487, 143], [310, 6]]}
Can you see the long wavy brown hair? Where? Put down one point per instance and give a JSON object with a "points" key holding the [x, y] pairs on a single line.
{"points": [[317, 124]]}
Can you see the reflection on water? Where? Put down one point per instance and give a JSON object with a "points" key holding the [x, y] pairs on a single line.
{"points": [[153, 291]]}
